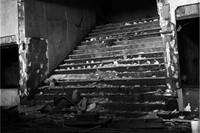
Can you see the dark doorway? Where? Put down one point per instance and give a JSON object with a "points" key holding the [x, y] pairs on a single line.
{"points": [[188, 44], [9, 66]]}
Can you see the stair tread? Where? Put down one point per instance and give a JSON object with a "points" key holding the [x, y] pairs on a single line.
{"points": [[112, 67], [94, 58], [127, 32], [126, 25], [99, 80], [109, 61], [124, 28], [134, 36], [102, 48], [145, 19], [120, 51]]}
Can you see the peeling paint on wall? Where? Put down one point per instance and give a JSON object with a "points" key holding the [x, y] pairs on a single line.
{"points": [[169, 39], [38, 71], [23, 50]]}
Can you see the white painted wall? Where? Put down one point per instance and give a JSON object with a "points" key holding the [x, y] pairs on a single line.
{"points": [[8, 18], [9, 97], [176, 3]]}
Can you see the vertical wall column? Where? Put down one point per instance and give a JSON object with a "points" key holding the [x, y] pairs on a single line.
{"points": [[171, 50], [33, 56], [23, 49]]}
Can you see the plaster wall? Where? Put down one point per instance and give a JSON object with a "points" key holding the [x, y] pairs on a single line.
{"points": [[61, 24], [176, 3], [9, 97], [8, 18], [66, 28]]}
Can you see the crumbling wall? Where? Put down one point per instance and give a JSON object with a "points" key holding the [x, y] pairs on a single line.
{"points": [[37, 62], [166, 10], [51, 31], [171, 51], [66, 28]]}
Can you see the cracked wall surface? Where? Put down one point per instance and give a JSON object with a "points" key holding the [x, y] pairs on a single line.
{"points": [[169, 39]]}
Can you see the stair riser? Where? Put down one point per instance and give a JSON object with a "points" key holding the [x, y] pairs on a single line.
{"points": [[117, 53], [107, 76], [142, 21], [117, 69], [114, 98], [122, 47], [98, 65], [130, 28], [87, 45], [104, 90], [123, 35], [146, 55], [105, 29], [132, 107], [142, 82]]}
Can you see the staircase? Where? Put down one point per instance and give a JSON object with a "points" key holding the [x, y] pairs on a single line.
{"points": [[121, 66]]}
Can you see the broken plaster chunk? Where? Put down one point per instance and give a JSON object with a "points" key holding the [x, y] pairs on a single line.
{"points": [[41, 66], [155, 20], [127, 24], [29, 64], [38, 71], [148, 62], [156, 62]]}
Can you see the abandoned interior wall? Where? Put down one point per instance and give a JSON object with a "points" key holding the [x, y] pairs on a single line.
{"points": [[9, 53], [188, 41], [54, 30], [67, 25], [167, 8], [176, 3], [8, 18]]}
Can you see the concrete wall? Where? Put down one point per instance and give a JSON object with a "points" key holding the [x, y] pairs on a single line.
{"points": [[176, 3], [61, 24], [53, 30], [188, 95], [9, 97], [66, 30], [8, 18]]}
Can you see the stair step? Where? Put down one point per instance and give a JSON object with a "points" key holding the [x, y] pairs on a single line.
{"points": [[102, 97], [118, 52], [124, 28], [120, 57], [131, 22], [103, 88], [121, 43], [130, 68], [120, 34], [112, 75], [129, 106], [118, 82], [93, 64], [118, 47], [130, 36]]}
